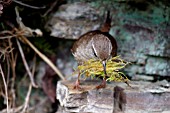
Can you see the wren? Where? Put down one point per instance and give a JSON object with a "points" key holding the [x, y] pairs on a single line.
{"points": [[97, 44]]}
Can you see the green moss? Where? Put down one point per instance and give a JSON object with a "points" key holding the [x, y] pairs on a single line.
{"points": [[95, 68]]}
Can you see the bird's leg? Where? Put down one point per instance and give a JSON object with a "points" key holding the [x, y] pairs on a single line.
{"points": [[103, 84], [128, 84], [77, 84]]}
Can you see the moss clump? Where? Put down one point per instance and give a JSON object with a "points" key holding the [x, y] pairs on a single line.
{"points": [[95, 68]]}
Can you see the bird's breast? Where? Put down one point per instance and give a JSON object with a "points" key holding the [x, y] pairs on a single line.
{"points": [[92, 45], [84, 52]]}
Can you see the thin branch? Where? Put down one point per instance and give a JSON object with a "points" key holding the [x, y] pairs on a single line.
{"points": [[6, 89], [26, 65], [6, 32], [25, 40], [34, 64], [13, 110], [24, 30], [18, 109], [27, 99], [12, 60], [30, 87], [6, 2], [4, 52], [8, 73], [44, 58], [51, 8], [27, 5], [19, 19], [6, 37]]}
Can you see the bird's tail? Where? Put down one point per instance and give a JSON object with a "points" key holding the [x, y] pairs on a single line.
{"points": [[107, 25]]}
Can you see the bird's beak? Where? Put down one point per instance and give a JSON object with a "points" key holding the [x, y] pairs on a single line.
{"points": [[104, 67]]}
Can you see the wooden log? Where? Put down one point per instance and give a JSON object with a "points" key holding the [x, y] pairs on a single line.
{"points": [[142, 97]]}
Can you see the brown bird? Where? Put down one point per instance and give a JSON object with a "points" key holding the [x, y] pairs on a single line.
{"points": [[99, 45]]}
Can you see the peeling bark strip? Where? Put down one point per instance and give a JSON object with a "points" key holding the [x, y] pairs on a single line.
{"points": [[143, 97]]}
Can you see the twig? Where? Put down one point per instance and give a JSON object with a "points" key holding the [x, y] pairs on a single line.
{"points": [[27, 99], [24, 30], [8, 69], [26, 65], [6, 90], [4, 52], [51, 8], [25, 40], [6, 2], [34, 64], [13, 110], [44, 58], [18, 109], [32, 67], [13, 65], [6, 32], [21, 24], [26, 5], [19, 20], [30, 88], [6, 37]]}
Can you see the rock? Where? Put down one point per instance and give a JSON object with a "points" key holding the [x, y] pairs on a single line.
{"points": [[138, 77], [88, 100], [158, 66], [73, 20], [141, 97]]}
